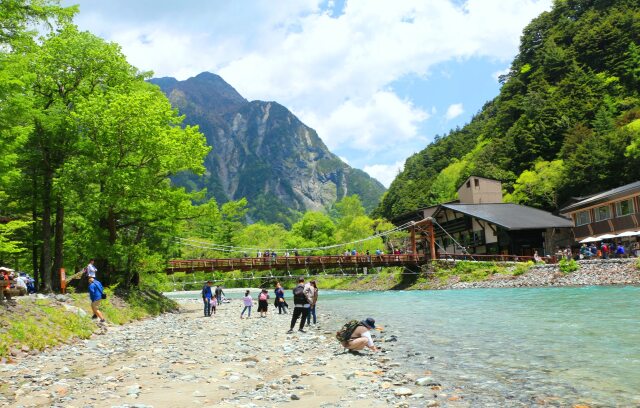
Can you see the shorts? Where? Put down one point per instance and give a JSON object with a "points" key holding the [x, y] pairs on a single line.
{"points": [[262, 305]]}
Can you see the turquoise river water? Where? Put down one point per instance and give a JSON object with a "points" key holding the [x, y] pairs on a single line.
{"points": [[513, 347]]}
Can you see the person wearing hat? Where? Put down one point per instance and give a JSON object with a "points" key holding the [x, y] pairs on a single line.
{"points": [[361, 336], [206, 298]]}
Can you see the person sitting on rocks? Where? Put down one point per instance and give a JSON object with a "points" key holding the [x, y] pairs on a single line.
{"points": [[361, 337]]}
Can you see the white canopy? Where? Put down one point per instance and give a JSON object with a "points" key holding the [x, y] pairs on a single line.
{"points": [[590, 239], [4, 268], [605, 236], [628, 234]]}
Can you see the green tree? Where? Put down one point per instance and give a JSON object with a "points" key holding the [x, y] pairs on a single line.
{"points": [[130, 142], [538, 187], [315, 229]]}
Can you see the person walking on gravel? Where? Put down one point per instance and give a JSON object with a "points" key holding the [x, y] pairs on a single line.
{"points": [[280, 302], [302, 298], [206, 298], [263, 303], [96, 294], [248, 302], [219, 294], [314, 300]]}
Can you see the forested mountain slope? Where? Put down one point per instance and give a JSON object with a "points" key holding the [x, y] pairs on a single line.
{"points": [[262, 152], [566, 122]]}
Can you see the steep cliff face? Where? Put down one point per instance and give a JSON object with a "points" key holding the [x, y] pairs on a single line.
{"points": [[263, 152]]}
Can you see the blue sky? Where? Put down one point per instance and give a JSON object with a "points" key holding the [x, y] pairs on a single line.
{"points": [[377, 79]]}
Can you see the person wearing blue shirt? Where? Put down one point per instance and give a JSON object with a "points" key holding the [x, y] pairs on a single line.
{"points": [[96, 295], [206, 298]]}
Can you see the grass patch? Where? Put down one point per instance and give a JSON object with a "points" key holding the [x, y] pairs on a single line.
{"points": [[41, 323], [568, 266], [45, 324], [521, 268], [467, 271]]}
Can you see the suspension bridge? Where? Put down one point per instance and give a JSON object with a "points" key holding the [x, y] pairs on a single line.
{"points": [[410, 260]]}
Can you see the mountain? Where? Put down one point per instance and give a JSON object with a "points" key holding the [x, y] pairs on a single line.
{"points": [[565, 123], [263, 152]]}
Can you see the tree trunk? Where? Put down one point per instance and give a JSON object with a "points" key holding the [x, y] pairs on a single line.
{"points": [[46, 230], [34, 238], [58, 259]]}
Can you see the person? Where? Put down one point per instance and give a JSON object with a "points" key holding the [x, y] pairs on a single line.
{"points": [[248, 302], [219, 294], [91, 269], [604, 248], [214, 305], [302, 303], [314, 300], [620, 250], [21, 285], [280, 303], [536, 257], [361, 337], [263, 304], [206, 298], [96, 294]]}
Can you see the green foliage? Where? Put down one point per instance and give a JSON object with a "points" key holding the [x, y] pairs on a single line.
{"points": [[522, 267], [557, 129], [538, 187], [568, 266], [467, 271]]}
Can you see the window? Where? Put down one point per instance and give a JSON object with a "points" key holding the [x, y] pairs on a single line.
{"points": [[583, 217], [624, 207], [476, 182], [603, 213], [469, 184]]}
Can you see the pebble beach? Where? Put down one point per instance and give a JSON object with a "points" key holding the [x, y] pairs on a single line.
{"points": [[184, 359]]}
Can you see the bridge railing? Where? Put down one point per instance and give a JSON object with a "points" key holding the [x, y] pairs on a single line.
{"points": [[292, 262]]}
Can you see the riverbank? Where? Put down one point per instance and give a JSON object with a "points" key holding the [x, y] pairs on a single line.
{"points": [[468, 275], [30, 324], [184, 359]]}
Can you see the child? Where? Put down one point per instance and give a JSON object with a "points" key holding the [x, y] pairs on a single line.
{"points": [[214, 305], [248, 302], [263, 303]]}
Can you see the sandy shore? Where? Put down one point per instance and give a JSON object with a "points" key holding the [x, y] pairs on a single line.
{"points": [[185, 360]]}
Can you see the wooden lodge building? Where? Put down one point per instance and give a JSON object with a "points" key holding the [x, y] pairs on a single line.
{"points": [[613, 212], [481, 223]]}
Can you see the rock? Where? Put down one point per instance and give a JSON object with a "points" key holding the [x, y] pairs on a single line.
{"points": [[250, 358], [294, 397], [424, 381], [61, 298], [75, 310], [134, 389], [402, 392]]}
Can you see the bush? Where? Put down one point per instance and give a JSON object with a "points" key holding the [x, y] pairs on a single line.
{"points": [[568, 266], [522, 267]]}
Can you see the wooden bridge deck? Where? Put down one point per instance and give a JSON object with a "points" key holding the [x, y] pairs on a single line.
{"points": [[283, 263]]}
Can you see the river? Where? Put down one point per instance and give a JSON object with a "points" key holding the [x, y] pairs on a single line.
{"points": [[513, 347]]}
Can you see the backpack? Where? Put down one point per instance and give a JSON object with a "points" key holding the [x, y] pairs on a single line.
{"points": [[347, 330], [263, 296], [298, 296]]}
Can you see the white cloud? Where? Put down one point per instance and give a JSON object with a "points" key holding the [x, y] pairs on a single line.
{"points": [[369, 125], [453, 111], [334, 72], [385, 173], [496, 75]]}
